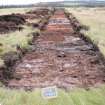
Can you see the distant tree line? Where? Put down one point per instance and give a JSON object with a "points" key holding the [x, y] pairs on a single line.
{"points": [[16, 6]]}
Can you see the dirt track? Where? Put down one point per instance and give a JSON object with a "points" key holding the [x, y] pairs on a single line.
{"points": [[61, 58]]}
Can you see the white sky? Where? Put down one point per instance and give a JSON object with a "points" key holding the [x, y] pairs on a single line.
{"points": [[5, 2], [16, 2]]}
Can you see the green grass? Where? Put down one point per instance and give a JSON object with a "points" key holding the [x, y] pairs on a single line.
{"points": [[34, 20], [1, 62], [95, 96], [6, 11], [10, 40], [95, 19]]}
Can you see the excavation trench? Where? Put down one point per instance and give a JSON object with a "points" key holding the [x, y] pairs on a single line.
{"points": [[62, 58]]}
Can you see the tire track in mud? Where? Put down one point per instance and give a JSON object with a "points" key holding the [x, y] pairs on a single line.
{"points": [[61, 58]]}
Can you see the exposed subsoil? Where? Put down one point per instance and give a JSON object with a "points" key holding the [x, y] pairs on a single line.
{"points": [[62, 58]]}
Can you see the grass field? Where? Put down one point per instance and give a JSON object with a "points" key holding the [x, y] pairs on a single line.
{"points": [[6, 11], [95, 19], [75, 97]]}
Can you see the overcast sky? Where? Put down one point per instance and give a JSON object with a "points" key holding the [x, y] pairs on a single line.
{"points": [[23, 1], [16, 2]]}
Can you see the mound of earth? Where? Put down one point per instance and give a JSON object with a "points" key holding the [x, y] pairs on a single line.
{"points": [[39, 12], [27, 16], [10, 23]]}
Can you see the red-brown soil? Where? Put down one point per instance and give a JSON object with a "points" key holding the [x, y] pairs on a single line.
{"points": [[61, 58]]}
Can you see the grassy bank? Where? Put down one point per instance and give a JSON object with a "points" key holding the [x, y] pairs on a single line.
{"points": [[9, 41], [95, 19], [75, 97]]}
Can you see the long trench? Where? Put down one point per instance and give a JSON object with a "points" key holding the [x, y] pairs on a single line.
{"points": [[61, 58]]}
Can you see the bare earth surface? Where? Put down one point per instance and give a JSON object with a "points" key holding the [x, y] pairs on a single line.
{"points": [[61, 58]]}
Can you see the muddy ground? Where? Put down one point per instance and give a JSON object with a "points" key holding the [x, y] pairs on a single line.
{"points": [[61, 58]]}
